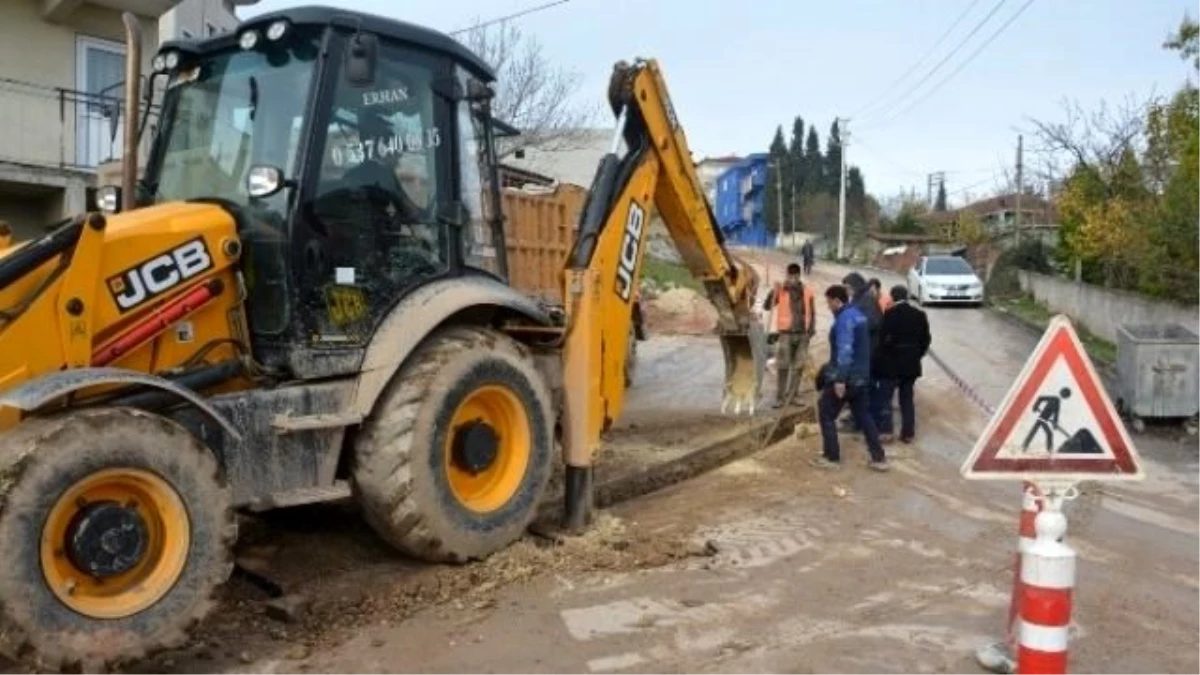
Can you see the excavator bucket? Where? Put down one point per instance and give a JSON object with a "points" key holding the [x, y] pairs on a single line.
{"points": [[745, 361]]}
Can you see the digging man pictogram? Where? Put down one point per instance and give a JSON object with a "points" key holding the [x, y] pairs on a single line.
{"points": [[1048, 408]]}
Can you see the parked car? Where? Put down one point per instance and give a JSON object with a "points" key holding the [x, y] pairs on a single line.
{"points": [[944, 279]]}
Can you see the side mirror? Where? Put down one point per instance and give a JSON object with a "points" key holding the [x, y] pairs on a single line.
{"points": [[263, 181], [108, 199], [361, 55]]}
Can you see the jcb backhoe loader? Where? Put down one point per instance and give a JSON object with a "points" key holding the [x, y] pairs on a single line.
{"points": [[289, 306]]}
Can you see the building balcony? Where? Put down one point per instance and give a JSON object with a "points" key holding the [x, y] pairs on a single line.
{"points": [[62, 10], [56, 128]]}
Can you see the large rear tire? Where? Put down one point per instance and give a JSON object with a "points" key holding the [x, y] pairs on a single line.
{"points": [[453, 462], [115, 529]]}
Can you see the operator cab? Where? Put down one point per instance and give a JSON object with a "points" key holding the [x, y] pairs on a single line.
{"points": [[355, 153]]}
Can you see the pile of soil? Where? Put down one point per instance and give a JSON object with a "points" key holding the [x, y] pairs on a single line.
{"points": [[680, 311]]}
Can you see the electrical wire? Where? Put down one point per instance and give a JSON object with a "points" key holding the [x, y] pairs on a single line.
{"points": [[960, 67], [955, 50], [515, 15], [916, 64]]}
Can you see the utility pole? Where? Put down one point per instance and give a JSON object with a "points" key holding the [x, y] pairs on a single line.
{"points": [[792, 202], [844, 133], [1020, 188], [937, 178], [779, 195]]}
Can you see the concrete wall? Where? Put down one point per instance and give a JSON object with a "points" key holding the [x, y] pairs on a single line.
{"points": [[1103, 310], [43, 56]]}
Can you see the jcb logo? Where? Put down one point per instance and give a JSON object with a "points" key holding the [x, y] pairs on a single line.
{"points": [[159, 274], [631, 246]]}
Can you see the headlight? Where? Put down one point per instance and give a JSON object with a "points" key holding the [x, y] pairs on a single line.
{"points": [[108, 199], [159, 64], [172, 60], [248, 39], [277, 30]]}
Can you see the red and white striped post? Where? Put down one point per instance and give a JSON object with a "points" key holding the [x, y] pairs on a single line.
{"points": [[1047, 579]]}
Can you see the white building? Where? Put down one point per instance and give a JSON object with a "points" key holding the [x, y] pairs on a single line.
{"points": [[200, 19]]}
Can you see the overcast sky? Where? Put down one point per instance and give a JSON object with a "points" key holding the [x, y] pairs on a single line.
{"points": [[738, 69]]}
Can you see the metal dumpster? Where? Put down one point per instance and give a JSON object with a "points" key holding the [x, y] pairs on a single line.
{"points": [[1158, 369]]}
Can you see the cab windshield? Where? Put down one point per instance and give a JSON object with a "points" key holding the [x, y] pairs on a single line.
{"points": [[231, 111]]}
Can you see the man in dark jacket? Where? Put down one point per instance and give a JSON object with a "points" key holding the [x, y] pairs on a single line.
{"points": [[847, 381], [903, 341]]}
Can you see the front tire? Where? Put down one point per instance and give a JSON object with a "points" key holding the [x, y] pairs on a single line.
{"points": [[115, 529], [453, 462]]}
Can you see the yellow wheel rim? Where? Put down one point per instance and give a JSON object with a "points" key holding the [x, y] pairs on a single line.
{"points": [[115, 543], [487, 449]]}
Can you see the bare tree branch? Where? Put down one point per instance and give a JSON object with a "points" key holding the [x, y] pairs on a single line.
{"points": [[1094, 140], [532, 93]]}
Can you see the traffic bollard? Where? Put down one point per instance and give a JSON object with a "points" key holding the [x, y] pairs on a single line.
{"points": [[1047, 578]]}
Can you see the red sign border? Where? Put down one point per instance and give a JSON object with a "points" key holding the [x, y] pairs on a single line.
{"points": [[1059, 341]]}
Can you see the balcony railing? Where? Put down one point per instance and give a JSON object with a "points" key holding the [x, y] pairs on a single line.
{"points": [[63, 128]]}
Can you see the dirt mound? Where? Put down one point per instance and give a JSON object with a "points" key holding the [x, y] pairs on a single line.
{"points": [[680, 311]]}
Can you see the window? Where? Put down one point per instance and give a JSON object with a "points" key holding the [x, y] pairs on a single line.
{"points": [[478, 246], [100, 72], [234, 110], [382, 171], [947, 266]]}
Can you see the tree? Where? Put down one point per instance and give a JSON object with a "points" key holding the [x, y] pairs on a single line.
{"points": [[796, 155], [532, 93], [814, 164], [833, 160], [777, 174], [856, 198], [940, 203], [1186, 41]]}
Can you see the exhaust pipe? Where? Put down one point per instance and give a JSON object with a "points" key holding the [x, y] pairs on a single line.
{"points": [[133, 86]]}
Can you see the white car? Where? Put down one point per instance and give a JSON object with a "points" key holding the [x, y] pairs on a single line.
{"points": [[944, 278]]}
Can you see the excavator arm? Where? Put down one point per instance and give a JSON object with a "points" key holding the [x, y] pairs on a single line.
{"points": [[656, 173]]}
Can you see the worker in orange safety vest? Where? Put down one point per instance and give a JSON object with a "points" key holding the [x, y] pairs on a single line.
{"points": [[884, 300], [794, 325]]}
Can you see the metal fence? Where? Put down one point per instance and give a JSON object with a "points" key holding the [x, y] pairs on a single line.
{"points": [[63, 128]]}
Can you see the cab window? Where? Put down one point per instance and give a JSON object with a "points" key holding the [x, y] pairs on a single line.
{"points": [[382, 171]]}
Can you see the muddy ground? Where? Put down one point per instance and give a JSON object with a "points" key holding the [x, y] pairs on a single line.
{"points": [[765, 564]]}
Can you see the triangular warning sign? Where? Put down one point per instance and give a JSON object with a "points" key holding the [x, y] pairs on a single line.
{"points": [[1056, 421]]}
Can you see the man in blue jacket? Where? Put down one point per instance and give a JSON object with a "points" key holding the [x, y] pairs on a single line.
{"points": [[847, 381]]}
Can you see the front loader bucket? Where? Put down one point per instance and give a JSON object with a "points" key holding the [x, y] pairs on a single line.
{"points": [[745, 361]]}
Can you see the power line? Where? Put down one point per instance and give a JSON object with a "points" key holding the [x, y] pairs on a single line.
{"points": [[918, 62], [905, 169], [515, 15], [955, 50], [960, 67]]}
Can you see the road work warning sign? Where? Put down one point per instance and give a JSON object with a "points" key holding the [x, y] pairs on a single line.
{"points": [[1056, 422]]}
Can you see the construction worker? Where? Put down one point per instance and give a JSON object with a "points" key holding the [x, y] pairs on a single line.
{"points": [[884, 299], [795, 323]]}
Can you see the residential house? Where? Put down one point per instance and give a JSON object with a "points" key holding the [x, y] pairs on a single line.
{"points": [[709, 169], [62, 71], [739, 202], [573, 161], [998, 216], [197, 19]]}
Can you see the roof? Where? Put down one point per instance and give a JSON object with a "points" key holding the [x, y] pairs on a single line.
{"points": [[904, 238], [1008, 201], [385, 27], [724, 159]]}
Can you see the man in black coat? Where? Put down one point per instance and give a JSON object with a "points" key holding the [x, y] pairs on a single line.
{"points": [[903, 341]]}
